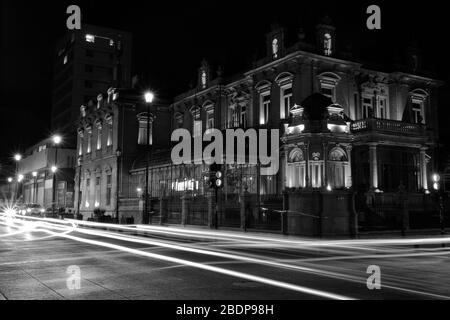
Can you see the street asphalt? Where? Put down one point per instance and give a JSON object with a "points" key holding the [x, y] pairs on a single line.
{"points": [[38, 261]]}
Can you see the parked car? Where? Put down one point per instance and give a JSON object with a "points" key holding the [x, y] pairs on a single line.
{"points": [[35, 210]]}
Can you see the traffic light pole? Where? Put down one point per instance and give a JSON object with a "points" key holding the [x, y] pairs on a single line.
{"points": [[216, 211]]}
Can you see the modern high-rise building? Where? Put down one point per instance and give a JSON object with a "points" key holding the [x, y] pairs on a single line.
{"points": [[88, 61]]}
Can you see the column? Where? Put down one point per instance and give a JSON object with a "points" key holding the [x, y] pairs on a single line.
{"points": [[283, 168], [423, 169], [373, 167], [325, 165], [349, 178], [308, 181]]}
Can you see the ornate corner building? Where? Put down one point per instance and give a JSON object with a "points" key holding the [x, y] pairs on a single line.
{"points": [[352, 139]]}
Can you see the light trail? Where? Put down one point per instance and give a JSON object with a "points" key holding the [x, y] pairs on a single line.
{"points": [[236, 274], [265, 261], [351, 244]]}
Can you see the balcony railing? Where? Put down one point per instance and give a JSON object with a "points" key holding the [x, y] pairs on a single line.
{"points": [[387, 126]]}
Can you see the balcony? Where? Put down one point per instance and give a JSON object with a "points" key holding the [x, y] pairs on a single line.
{"points": [[387, 126]]}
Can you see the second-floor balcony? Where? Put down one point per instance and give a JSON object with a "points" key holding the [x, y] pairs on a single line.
{"points": [[387, 126]]}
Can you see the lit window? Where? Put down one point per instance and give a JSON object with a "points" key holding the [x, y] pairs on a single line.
{"points": [[197, 123], [286, 98], [367, 106], [264, 108], [80, 146], [338, 170], [204, 79], [143, 134], [233, 116], [99, 138], [275, 48], [418, 110], [65, 59], [327, 44], [296, 170], [210, 119], [197, 129], [90, 38], [89, 142], [381, 108], [110, 135], [244, 117]]}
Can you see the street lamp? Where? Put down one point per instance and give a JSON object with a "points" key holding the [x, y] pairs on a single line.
{"points": [[10, 180], [148, 97], [34, 174], [17, 158], [56, 141], [440, 197]]}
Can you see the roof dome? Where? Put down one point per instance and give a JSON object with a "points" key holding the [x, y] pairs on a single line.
{"points": [[315, 106]]}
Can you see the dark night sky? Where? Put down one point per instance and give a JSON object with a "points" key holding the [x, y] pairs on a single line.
{"points": [[171, 38]]}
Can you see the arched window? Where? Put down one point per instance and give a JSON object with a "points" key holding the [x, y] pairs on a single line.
{"points": [[296, 156], [338, 169], [145, 130], [296, 169], [337, 154]]}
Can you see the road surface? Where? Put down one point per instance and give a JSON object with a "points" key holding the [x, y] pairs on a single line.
{"points": [[45, 260]]}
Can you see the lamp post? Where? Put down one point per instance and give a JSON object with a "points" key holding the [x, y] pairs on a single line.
{"points": [[56, 141], [440, 197], [17, 158], [10, 180], [149, 96], [34, 174], [80, 160]]}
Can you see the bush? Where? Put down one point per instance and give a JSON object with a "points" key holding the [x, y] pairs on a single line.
{"points": [[99, 212]]}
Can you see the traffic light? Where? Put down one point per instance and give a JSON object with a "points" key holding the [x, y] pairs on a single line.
{"points": [[215, 176]]}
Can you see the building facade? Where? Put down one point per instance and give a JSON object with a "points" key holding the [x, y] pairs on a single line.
{"points": [[88, 61], [111, 139], [39, 184], [357, 144]]}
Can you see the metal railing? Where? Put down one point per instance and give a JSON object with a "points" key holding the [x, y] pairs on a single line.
{"points": [[384, 125]]}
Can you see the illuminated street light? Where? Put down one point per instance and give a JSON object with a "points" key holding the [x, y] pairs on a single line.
{"points": [[56, 139], [17, 157], [436, 178], [34, 174], [20, 177], [10, 179], [149, 96]]}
